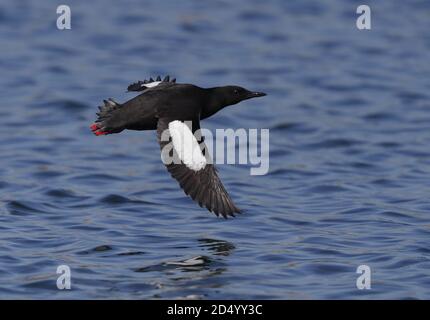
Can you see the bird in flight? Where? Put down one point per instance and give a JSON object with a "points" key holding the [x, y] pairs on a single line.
{"points": [[174, 110]]}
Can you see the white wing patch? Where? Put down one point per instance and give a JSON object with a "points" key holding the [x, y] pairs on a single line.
{"points": [[151, 84], [186, 146]]}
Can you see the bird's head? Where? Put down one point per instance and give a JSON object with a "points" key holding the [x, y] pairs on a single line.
{"points": [[221, 97]]}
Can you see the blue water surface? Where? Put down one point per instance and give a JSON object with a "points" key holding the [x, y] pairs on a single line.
{"points": [[349, 179]]}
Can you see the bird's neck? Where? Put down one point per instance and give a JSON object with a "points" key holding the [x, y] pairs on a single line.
{"points": [[217, 100]]}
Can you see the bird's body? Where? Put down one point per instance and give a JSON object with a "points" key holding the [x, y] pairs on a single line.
{"points": [[165, 105]]}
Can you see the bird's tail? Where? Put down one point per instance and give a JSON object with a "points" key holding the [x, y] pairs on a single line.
{"points": [[106, 122]]}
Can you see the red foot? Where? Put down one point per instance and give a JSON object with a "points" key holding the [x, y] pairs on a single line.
{"points": [[95, 128], [100, 133]]}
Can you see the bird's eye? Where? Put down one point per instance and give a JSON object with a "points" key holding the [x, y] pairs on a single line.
{"points": [[236, 91]]}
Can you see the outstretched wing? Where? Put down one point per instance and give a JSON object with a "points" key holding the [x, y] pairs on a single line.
{"points": [[146, 84], [184, 159]]}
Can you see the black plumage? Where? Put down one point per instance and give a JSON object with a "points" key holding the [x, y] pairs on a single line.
{"points": [[165, 101]]}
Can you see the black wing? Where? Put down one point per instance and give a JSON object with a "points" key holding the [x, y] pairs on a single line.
{"points": [[203, 186]]}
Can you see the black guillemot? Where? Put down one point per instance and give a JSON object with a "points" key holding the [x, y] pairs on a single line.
{"points": [[166, 106]]}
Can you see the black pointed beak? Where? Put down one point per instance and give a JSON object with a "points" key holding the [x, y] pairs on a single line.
{"points": [[259, 94], [256, 95]]}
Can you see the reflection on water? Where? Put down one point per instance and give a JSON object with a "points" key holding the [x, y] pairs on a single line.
{"points": [[197, 263], [202, 269], [218, 247]]}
